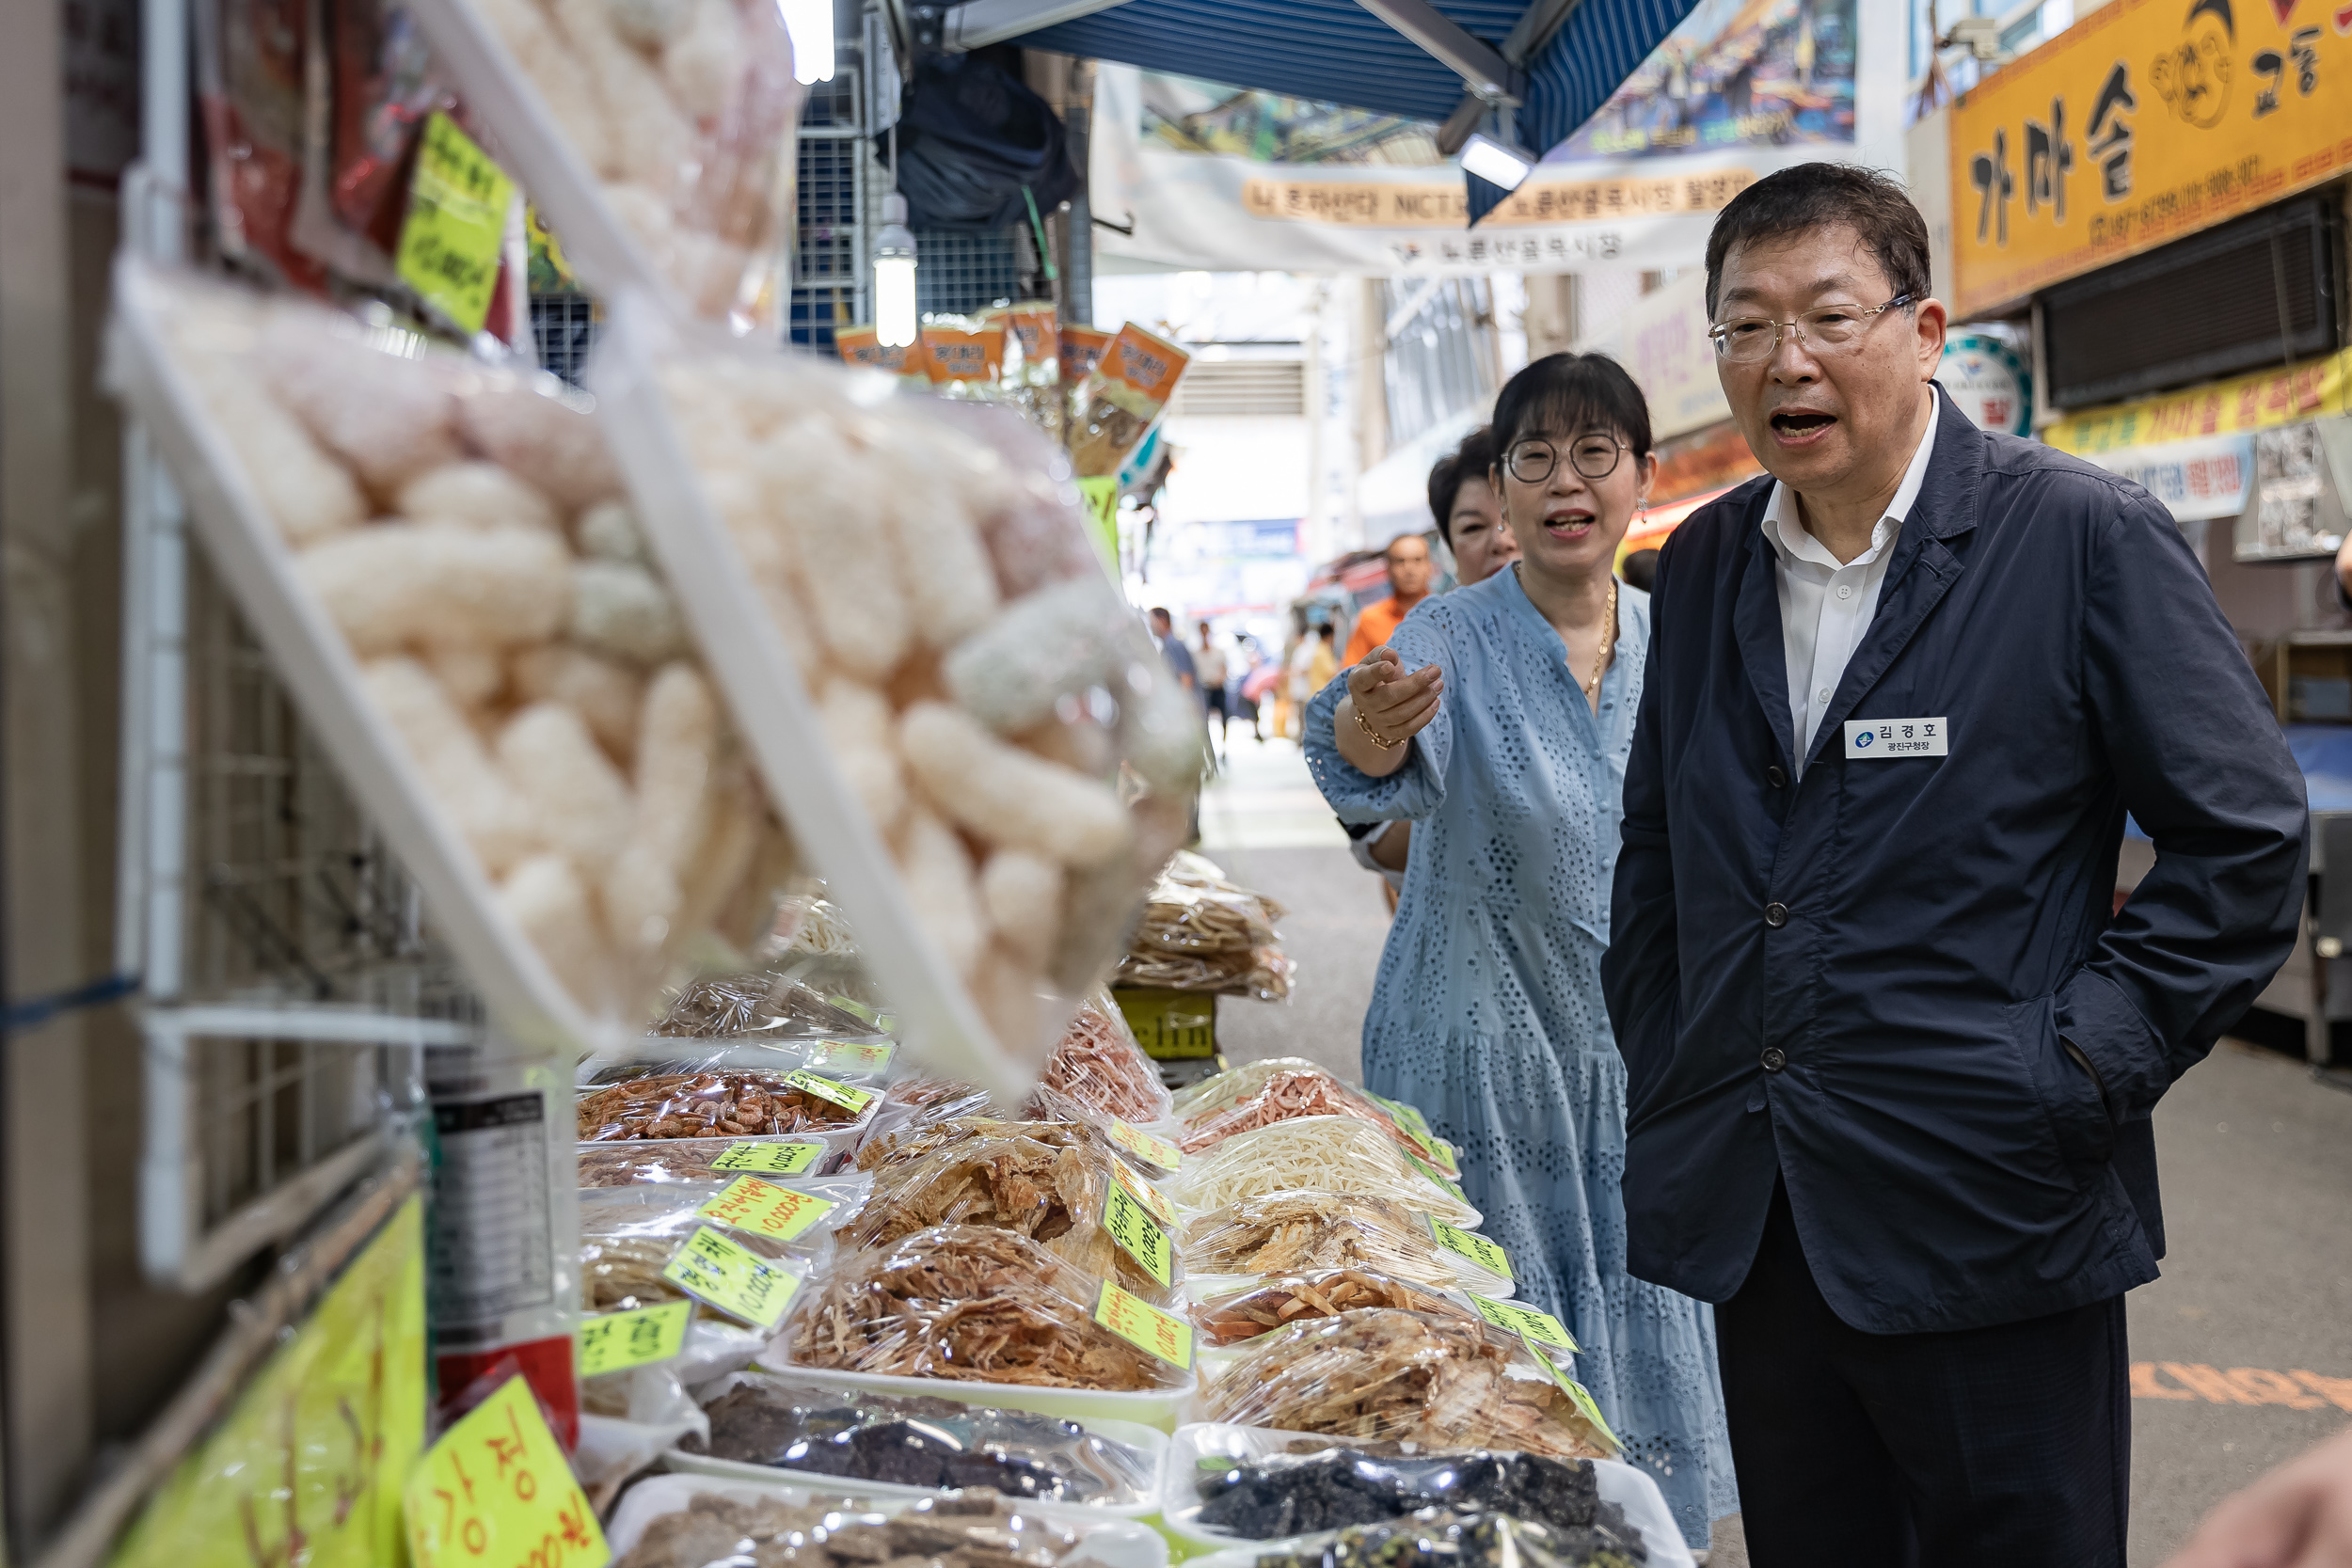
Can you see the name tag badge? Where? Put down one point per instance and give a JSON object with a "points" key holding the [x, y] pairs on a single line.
{"points": [[1871, 740]]}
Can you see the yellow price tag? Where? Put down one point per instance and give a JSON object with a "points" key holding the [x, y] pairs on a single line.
{"points": [[1133, 1227], [1144, 1147], [1479, 1250], [1102, 498], [1145, 1193], [1525, 1321], [497, 1489], [765, 1208], [1580, 1395], [871, 1057], [1144, 1325], [1434, 1152], [1442, 1183], [616, 1341], [457, 223], [770, 1159], [848, 1097], [732, 1277], [1403, 1115]]}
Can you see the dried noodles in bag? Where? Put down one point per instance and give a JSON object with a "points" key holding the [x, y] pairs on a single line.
{"points": [[1339, 1155], [1283, 1233], [968, 1304], [1388, 1376]]}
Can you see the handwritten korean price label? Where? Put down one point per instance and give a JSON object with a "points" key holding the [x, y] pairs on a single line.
{"points": [[765, 1208], [1577, 1392], [732, 1277], [849, 1099], [616, 1341], [1145, 1193], [770, 1159], [868, 1057], [496, 1491], [1432, 1173], [457, 223], [1144, 1325], [1525, 1321], [1135, 1230], [1479, 1250], [1144, 1147]]}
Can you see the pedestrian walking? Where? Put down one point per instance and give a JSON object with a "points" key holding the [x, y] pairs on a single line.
{"points": [[1209, 669], [1890, 1053], [1498, 721]]}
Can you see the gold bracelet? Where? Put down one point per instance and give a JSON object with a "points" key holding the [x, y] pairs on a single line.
{"points": [[1384, 745]]}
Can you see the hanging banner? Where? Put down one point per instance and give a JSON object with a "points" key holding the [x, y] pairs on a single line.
{"points": [[2198, 479], [2264, 401], [2145, 120], [1662, 341], [1194, 175]]}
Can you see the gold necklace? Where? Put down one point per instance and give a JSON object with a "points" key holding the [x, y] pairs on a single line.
{"points": [[1607, 645]]}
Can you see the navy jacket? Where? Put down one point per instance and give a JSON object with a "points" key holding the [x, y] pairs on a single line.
{"points": [[1862, 978]]}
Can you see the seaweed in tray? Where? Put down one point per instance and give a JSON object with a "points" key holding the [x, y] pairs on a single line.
{"points": [[914, 1441], [968, 1530], [1303, 1494], [1395, 1376], [1439, 1538], [970, 1304]]}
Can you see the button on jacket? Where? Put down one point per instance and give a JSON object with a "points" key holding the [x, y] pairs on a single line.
{"points": [[1862, 976]]}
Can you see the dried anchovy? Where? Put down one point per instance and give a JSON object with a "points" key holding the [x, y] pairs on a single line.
{"points": [[1400, 1377], [1228, 1320], [1299, 1495], [966, 1529], [1436, 1538], [969, 1304], [721, 1104]]}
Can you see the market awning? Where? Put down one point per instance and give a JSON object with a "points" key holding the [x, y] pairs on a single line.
{"points": [[1551, 62]]}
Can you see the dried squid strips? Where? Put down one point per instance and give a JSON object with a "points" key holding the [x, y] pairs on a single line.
{"points": [[1247, 1314], [721, 1104], [1099, 1065], [1284, 1233], [1340, 1155], [1286, 1096]]}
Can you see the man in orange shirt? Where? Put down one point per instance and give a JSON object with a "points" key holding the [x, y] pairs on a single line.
{"points": [[1410, 571]]}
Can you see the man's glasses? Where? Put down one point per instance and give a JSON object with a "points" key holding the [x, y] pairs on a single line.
{"points": [[1831, 329], [1593, 456]]}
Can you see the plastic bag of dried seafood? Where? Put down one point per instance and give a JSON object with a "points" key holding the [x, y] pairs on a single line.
{"points": [[914, 1105], [1283, 1233], [1308, 1091], [1099, 1065], [439, 559], [813, 1163], [704, 1522], [960, 712], [1071, 1199], [724, 1102], [812, 1427], [1234, 1085], [1195, 908], [862, 1064], [629, 1235], [764, 1002], [1231, 1317], [967, 1303], [655, 136], [1340, 1155], [1386, 1376], [879, 1153]]}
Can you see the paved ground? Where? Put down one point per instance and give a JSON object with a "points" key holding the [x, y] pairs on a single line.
{"points": [[2242, 1351]]}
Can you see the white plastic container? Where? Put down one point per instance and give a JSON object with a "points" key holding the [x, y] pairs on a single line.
{"points": [[1104, 1542], [1627, 1485]]}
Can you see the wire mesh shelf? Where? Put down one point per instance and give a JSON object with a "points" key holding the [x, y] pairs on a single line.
{"points": [[564, 328], [959, 272]]}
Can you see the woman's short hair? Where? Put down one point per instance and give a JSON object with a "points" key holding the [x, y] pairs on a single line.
{"points": [[1567, 394], [1473, 459]]}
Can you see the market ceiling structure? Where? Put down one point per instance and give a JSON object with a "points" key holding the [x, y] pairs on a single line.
{"points": [[1550, 63]]}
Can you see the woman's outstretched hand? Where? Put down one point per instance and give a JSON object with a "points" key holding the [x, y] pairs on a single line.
{"points": [[1394, 705]]}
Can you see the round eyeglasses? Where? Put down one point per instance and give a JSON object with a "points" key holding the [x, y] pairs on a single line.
{"points": [[1831, 330], [1593, 456]]}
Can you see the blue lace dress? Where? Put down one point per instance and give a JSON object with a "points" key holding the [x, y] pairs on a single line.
{"points": [[1487, 1013]]}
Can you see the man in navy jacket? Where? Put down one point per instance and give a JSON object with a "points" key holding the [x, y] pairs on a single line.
{"points": [[1890, 1057]]}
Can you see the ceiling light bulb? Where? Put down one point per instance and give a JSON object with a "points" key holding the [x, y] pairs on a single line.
{"points": [[894, 276]]}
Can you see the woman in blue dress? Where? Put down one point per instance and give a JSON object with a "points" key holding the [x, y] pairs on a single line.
{"points": [[1498, 719]]}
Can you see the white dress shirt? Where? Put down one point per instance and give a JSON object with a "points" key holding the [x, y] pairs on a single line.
{"points": [[1826, 608]]}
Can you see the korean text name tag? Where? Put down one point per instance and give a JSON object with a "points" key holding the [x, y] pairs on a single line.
{"points": [[1871, 740]]}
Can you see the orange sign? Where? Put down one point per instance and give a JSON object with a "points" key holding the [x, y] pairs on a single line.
{"points": [[2145, 120]]}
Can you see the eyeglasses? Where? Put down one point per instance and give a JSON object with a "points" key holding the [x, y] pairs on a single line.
{"points": [[1593, 456], [1831, 329]]}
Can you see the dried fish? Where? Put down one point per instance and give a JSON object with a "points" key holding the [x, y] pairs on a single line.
{"points": [[1283, 1233], [1260, 1309], [719, 1104]]}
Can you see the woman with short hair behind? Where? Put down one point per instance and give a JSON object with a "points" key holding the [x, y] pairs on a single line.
{"points": [[1498, 719]]}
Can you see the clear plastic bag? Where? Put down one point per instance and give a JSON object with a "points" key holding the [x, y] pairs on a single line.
{"points": [[762, 1003], [967, 1303], [1099, 1065], [799, 1424], [628, 1235], [1254, 1310], [1261, 974], [1403, 1377], [715, 1102], [979, 748], [1054, 1196], [1283, 1233], [880, 1153], [1339, 1155], [1195, 908], [914, 1105], [1195, 1102], [436, 552], [1286, 1096], [657, 135]]}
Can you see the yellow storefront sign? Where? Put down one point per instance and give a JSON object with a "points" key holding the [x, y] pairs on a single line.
{"points": [[2261, 401], [307, 1468], [2145, 120], [1445, 203]]}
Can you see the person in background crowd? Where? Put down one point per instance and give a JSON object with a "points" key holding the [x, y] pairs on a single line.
{"points": [[1469, 515], [1410, 572], [1890, 1050], [1296, 689], [1173, 650], [1323, 661], [1251, 688], [1208, 666], [2300, 1515], [1639, 569], [1498, 719]]}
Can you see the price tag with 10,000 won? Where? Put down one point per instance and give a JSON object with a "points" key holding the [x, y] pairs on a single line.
{"points": [[784, 1158], [747, 1203]]}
